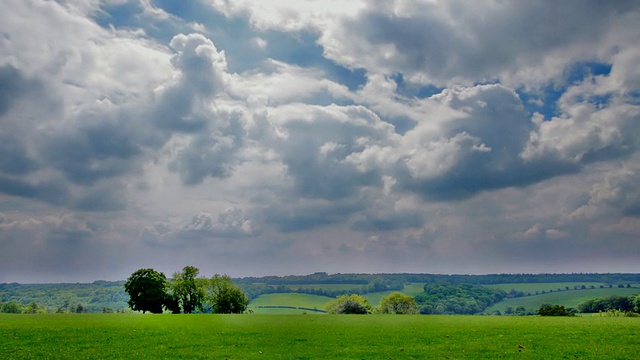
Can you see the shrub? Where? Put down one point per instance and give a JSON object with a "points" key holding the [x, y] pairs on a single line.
{"points": [[554, 310], [616, 313], [351, 307], [348, 304]]}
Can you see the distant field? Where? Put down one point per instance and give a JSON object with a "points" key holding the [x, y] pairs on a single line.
{"points": [[565, 298], [311, 301], [532, 287], [289, 299], [409, 289], [330, 287], [121, 336], [413, 289]]}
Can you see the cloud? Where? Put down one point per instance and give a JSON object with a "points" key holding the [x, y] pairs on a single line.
{"points": [[447, 43], [305, 215], [203, 228], [585, 134], [354, 136], [287, 15], [315, 142], [617, 193]]}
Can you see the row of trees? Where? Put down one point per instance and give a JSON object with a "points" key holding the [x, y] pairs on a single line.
{"points": [[186, 292], [615, 302], [92, 297], [13, 307], [394, 303], [555, 310], [396, 280]]}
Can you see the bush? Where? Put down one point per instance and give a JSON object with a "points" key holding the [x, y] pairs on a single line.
{"points": [[351, 307], [348, 304], [12, 307], [554, 310], [616, 313], [398, 303]]}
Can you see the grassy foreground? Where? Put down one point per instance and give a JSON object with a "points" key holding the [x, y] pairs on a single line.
{"points": [[121, 336]]}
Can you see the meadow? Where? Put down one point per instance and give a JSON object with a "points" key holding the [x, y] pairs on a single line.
{"points": [[264, 304], [126, 336], [288, 299]]}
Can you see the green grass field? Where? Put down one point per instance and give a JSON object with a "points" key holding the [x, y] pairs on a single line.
{"points": [[122, 336], [289, 299], [566, 298], [330, 287], [315, 301], [540, 287]]}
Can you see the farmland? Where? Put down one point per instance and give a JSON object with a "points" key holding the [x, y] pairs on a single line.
{"points": [[119, 336], [569, 298], [533, 288], [301, 302]]}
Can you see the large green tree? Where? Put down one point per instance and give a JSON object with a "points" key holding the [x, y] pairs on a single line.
{"points": [[398, 303], [12, 307], [188, 289], [224, 296], [34, 308], [147, 290]]}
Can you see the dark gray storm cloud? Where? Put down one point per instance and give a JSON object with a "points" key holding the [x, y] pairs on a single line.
{"points": [[299, 216], [98, 148]]}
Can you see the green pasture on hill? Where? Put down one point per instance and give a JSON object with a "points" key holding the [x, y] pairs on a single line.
{"points": [[374, 298], [546, 287], [131, 336], [264, 304], [565, 298], [329, 287]]}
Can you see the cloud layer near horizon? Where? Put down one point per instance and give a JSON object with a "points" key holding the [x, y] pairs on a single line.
{"points": [[276, 137]]}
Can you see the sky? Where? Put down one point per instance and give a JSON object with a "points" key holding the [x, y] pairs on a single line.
{"points": [[253, 137]]}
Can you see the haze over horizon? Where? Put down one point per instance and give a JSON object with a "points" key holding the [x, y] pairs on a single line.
{"points": [[289, 137]]}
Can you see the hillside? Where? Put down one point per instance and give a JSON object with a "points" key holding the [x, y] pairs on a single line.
{"points": [[105, 296], [99, 296], [566, 298]]}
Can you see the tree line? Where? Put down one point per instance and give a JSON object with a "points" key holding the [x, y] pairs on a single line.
{"points": [[97, 297], [615, 302], [185, 292], [394, 279]]}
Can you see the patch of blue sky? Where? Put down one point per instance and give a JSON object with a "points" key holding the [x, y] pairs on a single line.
{"points": [[414, 91], [131, 15], [581, 70], [234, 35], [302, 49], [119, 15], [545, 100]]}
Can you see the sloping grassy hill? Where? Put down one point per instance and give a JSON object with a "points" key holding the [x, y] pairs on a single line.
{"points": [[374, 298], [264, 304], [566, 298], [546, 287], [294, 303]]}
